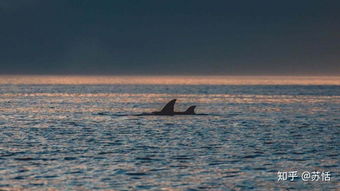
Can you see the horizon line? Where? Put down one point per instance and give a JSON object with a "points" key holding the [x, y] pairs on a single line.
{"points": [[169, 80], [180, 75]]}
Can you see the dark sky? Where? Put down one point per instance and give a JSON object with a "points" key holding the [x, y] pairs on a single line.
{"points": [[244, 37]]}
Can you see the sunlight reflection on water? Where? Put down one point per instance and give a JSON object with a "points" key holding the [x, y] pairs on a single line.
{"points": [[183, 80], [71, 137]]}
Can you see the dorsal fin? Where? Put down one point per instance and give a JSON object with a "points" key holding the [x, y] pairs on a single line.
{"points": [[191, 110], [169, 107]]}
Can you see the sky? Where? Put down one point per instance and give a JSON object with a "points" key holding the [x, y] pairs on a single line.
{"points": [[170, 37]]}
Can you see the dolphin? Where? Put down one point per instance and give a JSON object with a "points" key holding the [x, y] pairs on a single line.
{"points": [[168, 109]]}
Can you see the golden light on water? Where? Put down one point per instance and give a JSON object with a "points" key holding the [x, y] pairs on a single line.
{"points": [[101, 136], [172, 80]]}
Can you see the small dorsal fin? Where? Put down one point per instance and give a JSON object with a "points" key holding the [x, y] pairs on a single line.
{"points": [[191, 110], [169, 107]]}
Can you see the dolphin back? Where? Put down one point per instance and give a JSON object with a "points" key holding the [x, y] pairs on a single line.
{"points": [[169, 107], [190, 110]]}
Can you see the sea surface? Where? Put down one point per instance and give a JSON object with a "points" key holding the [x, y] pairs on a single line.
{"points": [[59, 135]]}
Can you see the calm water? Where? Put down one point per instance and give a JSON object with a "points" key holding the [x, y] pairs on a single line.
{"points": [[85, 137]]}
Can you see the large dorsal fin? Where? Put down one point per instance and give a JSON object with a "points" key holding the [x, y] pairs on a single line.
{"points": [[191, 110], [169, 107]]}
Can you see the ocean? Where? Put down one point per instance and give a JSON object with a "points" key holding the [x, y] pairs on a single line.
{"points": [[82, 133]]}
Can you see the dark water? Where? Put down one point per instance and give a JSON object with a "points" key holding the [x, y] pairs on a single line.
{"points": [[85, 137]]}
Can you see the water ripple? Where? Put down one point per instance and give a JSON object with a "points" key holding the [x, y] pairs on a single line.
{"points": [[83, 137]]}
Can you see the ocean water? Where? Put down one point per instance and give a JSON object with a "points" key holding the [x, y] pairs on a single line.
{"points": [[87, 137]]}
